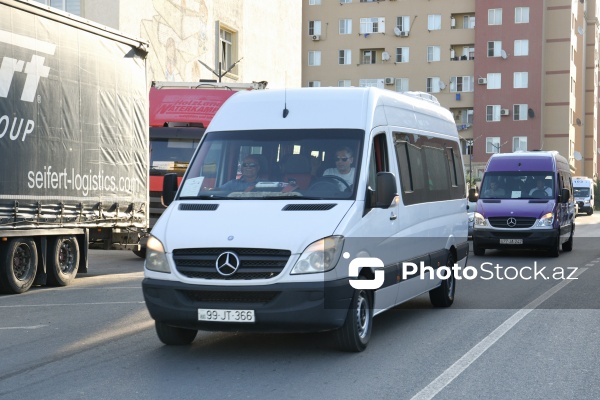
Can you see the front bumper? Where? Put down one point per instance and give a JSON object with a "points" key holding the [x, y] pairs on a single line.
{"points": [[285, 307], [532, 239]]}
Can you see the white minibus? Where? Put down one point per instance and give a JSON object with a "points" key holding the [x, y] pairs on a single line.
{"points": [[310, 209]]}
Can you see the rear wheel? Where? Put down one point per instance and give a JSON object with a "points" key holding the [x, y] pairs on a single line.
{"points": [[568, 245], [18, 265], [443, 295], [354, 335], [63, 260], [174, 336], [141, 253]]}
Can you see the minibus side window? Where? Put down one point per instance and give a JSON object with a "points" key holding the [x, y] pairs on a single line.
{"points": [[379, 161]]}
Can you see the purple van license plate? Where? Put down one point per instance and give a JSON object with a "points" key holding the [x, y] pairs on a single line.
{"points": [[511, 241]]}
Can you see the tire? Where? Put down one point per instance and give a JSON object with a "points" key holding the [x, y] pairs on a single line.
{"points": [[568, 245], [554, 250], [140, 253], [173, 336], [443, 295], [63, 260], [354, 335], [18, 265], [590, 211], [478, 250]]}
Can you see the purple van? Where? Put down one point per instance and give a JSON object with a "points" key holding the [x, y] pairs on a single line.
{"points": [[525, 201]]}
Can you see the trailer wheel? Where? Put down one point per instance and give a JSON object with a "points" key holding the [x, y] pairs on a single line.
{"points": [[174, 336], [18, 265], [140, 253], [63, 260]]}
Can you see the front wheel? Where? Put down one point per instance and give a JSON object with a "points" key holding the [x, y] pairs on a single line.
{"points": [[63, 260], [443, 295], [568, 245], [174, 336], [354, 335], [18, 265]]}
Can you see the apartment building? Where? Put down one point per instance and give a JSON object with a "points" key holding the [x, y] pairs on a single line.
{"points": [[190, 40], [516, 74]]}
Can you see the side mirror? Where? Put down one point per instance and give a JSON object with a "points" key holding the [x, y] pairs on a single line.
{"points": [[169, 189], [386, 189], [473, 195], [565, 195]]}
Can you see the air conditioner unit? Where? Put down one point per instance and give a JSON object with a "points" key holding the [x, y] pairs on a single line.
{"points": [[316, 37], [390, 80], [482, 81], [504, 111], [404, 33]]}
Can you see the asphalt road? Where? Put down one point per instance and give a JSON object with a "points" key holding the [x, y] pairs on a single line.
{"points": [[502, 339]]}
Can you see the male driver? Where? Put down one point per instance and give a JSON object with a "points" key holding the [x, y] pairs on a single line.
{"points": [[343, 166], [250, 168]]}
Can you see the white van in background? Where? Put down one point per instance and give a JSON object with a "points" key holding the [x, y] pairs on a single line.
{"points": [[298, 210], [583, 191]]}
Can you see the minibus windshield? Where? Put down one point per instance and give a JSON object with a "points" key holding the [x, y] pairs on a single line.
{"points": [[517, 185], [275, 164]]}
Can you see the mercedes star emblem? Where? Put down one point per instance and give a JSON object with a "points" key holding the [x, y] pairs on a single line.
{"points": [[227, 263], [511, 222]]}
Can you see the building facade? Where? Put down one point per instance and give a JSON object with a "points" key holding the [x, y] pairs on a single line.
{"points": [[516, 74], [190, 40]]}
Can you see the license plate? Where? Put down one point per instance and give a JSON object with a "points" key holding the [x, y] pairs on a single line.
{"points": [[511, 241], [217, 315]]}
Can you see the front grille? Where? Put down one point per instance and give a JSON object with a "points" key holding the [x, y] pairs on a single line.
{"points": [[230, 297], [502, 222], [254, 263]]}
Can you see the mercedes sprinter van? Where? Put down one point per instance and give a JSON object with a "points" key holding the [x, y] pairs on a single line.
{"points": [[310, 210]]}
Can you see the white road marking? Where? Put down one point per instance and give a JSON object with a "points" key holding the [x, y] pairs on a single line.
{"points": [[22, 327], [439, 383]]}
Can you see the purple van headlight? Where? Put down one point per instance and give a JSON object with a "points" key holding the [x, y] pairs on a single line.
{"points": [[479, 220], [545, 221]]}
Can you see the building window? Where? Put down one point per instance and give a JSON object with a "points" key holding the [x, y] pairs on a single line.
{"points": [[492, 145], [345, 83], [495, 16], [492, 113], [372, 25], [521, 15], [70, 6], [370, 83], [402, 54], [314, 2], [461, 83], [314, 28], [520, 112], [521, 47], [521, 80], [369, 56], [401, 85], [494, 49], [433, 53], [314, 58], [466, 116], [345, 1], [314, 84], [345, 26], [468, 22], [227, 49], [434, 22], [433, 85], [345, 57], [494, 81], [519, 143], [403, 23]]}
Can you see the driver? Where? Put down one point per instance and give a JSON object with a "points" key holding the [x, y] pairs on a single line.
{"points": [[541, 187], [343, 166], [250, 168]]}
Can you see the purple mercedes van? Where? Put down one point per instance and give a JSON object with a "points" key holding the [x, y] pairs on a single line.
{"points": [[525, 201]]}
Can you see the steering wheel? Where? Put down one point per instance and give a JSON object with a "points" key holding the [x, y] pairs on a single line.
{"points": [[330, 183], [539, 193]]}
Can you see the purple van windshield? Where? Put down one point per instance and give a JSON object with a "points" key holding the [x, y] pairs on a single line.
{"points": [[518, 185]]}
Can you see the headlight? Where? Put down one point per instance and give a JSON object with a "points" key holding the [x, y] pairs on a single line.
{"points": [[546, 220], [319, 256], [156, 259], [479, 220]]}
